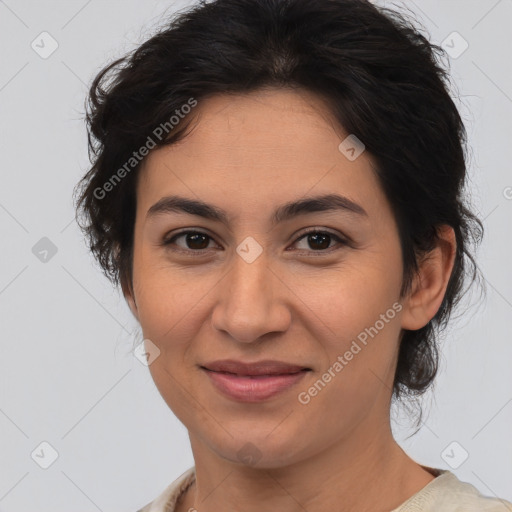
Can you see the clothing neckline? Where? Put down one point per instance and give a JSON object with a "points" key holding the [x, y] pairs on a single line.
{"points": [[186, 479], [441, 477]]}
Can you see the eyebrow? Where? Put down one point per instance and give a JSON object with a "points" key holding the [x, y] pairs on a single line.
{"points": [[329, 202]]}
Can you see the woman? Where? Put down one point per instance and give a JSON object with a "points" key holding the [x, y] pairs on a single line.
{"points": [[277, 187]]}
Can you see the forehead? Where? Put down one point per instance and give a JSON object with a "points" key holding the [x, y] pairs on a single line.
{"points": [[277, 121], [256, 149]]}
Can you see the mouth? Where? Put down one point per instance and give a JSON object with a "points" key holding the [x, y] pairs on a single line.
{"points": [[256, 369], [253, 382]]}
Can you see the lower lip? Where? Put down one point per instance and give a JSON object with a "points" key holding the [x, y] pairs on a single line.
{"points": [[253, 389]]}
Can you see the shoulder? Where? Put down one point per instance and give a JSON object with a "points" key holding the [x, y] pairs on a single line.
{"points": [[447, 493], [166, 500]]}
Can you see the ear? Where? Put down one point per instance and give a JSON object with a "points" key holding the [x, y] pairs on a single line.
{"points": [[130, 299], [429, 286]]}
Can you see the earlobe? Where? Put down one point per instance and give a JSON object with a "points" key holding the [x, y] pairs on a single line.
{"points": [[431, 281], [129, 297]]}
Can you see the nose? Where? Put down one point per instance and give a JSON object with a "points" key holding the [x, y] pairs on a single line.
{"points": [[251, 302]]}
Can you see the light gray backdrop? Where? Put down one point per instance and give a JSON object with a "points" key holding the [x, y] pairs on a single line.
{"points": [[68, 378]]}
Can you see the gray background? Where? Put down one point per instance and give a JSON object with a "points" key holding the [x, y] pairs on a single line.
{"points": [[67, 373]]}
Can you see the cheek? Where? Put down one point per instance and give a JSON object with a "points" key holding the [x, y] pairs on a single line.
{"points": [[349, 299], [360, 307], [167, 296], [357, 376], [176, 387]]}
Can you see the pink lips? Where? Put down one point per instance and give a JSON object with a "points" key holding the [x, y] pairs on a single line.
{"points": [[253, 382]]}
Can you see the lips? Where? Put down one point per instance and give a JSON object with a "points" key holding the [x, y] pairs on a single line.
{"points": [[253, 382], [258, 368]]}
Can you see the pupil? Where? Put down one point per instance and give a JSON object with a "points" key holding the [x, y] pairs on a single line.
{"points": [[316, 237], [193, 238]]}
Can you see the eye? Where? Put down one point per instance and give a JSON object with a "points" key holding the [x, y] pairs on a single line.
{"points": [[195, 241], [319, 241], [198, 241]]}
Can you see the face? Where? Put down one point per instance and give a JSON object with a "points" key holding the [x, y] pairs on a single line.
{"points": [[316, 286]]}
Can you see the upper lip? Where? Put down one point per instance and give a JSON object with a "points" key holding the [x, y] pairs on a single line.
{"points": [[266, 367]]}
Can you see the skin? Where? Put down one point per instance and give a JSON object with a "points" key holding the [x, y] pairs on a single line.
{"points": [[248, 154]]}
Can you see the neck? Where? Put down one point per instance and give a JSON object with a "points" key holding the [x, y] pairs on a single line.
{"points": [[362, 472]]}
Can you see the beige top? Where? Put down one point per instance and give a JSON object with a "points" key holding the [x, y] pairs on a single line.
{"points": [[446, 493]]}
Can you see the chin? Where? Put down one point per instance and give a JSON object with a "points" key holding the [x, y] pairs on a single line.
{"points": [[259, 450]]}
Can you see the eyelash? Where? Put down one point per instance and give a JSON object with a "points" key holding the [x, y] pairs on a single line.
{"points": [[341, 241]]}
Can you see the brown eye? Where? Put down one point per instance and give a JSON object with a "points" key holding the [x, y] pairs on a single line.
{"points": [[319, 241], [193, 240]]}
